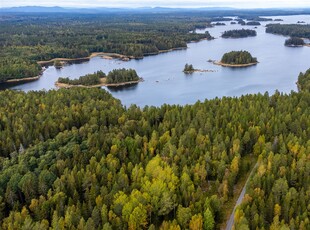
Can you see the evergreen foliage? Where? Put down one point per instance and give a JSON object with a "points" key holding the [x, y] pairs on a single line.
{"points": [[293, 30], [294, 42], [188, 68], [122, 75], [42, 37], [238, 58], [243, 33], [89, 79], [77, 159]]}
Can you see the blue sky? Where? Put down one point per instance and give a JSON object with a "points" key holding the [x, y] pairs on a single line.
{"points": [[167, 3]]}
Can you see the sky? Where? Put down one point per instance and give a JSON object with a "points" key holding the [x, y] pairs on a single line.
{"points": [[162, 3]]}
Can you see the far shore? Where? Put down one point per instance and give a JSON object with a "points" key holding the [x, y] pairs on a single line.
{"points": [[103, 83], [113, 55], [234, 66]]}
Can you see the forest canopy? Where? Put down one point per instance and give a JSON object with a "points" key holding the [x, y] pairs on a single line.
{"points": [[243, 33], [89, 79], [78, 159], [238, 58], [294, 42], [293, 30]]}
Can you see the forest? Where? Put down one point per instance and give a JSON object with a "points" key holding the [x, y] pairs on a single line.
{"points": [[78, 159], [294, 42], [89, 79], [238, 58], [243, 33], [41, 37], [293, 30]]}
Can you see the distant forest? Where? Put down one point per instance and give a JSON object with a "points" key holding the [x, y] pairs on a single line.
{"points": [[41, 37], [293, 30]]}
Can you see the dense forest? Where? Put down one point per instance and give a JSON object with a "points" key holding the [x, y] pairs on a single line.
{"points": [[294, 42], [238, 58], [78, 159], [89, 79], [243, 33], [278, 194], [41, 37], [293, 30], [121, 76]]}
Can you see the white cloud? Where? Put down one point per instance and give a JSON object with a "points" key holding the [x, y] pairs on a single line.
{"points": [[171, 3]]}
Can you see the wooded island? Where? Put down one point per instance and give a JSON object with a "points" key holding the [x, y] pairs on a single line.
{"points": [[237, 59]]}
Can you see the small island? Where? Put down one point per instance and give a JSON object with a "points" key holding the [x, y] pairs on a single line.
{"points": [[254, 23], [278, 20], [237, 59], [218, 24], [189, 69], [117, 77], [294, 42], [239, 33], [241, 22]]}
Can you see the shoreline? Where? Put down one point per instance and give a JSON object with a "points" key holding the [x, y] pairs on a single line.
{"points": [[104, 55], [21, 80], [233, 65], [103, 83], [116, 55]]}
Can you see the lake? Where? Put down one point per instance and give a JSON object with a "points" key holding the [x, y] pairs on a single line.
{"points": [[164, 81]]}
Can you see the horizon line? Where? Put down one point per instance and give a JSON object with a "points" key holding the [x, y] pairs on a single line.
{"points": [[152, 7]]}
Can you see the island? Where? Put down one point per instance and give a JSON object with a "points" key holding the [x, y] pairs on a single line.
{"points": [[241, 22], [218, 24], [239, 33], [233, 23], [117, 77], [189, 69], [294, 42], [254, 23], [237, 59], [278, 20]]}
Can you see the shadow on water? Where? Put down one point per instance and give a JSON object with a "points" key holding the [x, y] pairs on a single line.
{"points": [[121, 88], [8, 85]]}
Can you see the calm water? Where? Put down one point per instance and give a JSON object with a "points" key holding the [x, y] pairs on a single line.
{"points": [[166, 83]]}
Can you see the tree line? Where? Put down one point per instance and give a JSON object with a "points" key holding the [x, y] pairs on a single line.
{"points": [[293, 30], [88, 79]]}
